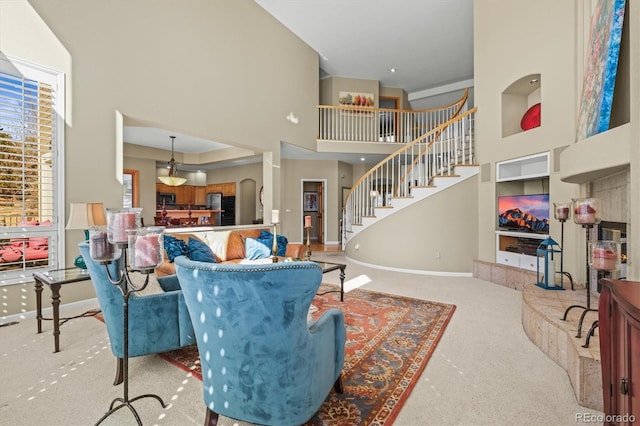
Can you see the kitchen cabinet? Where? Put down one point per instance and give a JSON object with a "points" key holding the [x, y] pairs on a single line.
{"points": [[214, 188], [200, 195], [229, 189], [185, 194], [165, 189], [619, 330]]}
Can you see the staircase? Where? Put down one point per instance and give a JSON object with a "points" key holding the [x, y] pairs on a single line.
{"points": [[434, 161]]}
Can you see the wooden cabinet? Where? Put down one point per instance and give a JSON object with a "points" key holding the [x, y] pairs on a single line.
{"points": [[200, 195], [226, 189], [229, 189], [165, 189], [185, 194], [619, 330], [214, 188]]}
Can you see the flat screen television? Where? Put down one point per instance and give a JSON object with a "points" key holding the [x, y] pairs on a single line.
{"points": [[524, 213]]}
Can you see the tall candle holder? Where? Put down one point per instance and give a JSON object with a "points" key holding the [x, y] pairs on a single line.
{"points": [[275, 243], [562, 213], [585, 213], [275, 219], [148, 252]]}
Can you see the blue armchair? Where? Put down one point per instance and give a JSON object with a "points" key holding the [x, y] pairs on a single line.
{"points": [[262, 361], [157, 322]]}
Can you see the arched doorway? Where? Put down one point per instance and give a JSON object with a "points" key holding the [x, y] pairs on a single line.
{"points": [[248, 196]]}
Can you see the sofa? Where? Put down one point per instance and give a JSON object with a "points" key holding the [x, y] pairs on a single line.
{"points": [[227, 246]]}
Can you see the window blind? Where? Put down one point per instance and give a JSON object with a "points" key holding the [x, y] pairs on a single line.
{"points": [[28, 171]]}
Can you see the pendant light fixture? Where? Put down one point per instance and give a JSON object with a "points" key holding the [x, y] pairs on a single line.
{"points": [[172, 179]]}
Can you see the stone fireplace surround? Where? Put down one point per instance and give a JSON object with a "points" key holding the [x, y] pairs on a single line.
{"points": [[542, 310]]}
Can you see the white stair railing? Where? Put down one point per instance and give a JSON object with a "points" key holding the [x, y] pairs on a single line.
{"points": [[365, 124], [435, 153]]}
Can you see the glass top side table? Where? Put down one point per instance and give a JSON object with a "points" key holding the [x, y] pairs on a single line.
{"points": [[55, 279]]}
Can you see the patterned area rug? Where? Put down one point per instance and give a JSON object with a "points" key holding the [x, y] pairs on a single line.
{"points": [[389, 341]]}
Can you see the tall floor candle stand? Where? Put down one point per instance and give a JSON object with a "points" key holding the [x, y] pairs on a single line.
{"points": [[127, 288], [275, 243], [587, 308], [562, 271], [307, 253]]}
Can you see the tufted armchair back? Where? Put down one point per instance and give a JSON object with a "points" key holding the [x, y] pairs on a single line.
{"points": [[262, 361]]}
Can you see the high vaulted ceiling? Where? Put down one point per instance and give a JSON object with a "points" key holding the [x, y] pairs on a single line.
{"points": [[428, 42]]}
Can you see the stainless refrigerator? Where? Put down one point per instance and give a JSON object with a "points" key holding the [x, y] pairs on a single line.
{"points": [[214, 202]]}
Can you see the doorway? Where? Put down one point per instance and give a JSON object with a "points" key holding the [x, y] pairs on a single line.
{"points": [[248, 213], [388, 119], [313, 202]]}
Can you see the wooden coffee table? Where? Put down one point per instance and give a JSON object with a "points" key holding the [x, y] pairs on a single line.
{"points": [[328, 267]]}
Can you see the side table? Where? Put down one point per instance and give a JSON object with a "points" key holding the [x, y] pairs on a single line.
{"points": [[330, 266], [55, 279]]}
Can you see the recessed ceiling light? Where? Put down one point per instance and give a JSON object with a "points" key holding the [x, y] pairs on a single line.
{"points": [[361, 158], [534, 80], [393, 70]]}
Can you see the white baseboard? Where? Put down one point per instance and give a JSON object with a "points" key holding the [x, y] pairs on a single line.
{"points": [[413, 271], [88, 304]]}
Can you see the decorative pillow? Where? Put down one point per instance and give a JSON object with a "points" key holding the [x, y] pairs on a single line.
{"points": [[531, 118], [217, 242], [38, 242], [199, 251], [266, 238], [175, 247], [153, 287], [255, 249]]}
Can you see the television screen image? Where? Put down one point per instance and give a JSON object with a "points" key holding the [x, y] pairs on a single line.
{"points": [[524, 213]]}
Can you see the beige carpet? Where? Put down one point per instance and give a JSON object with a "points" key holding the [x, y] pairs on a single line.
{"points": [[484, 371]]}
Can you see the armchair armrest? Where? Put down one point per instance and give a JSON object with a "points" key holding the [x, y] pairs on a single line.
{"points": [[329, 328]]}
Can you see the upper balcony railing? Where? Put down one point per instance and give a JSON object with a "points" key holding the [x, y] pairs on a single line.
{"points": [[362, 124]]}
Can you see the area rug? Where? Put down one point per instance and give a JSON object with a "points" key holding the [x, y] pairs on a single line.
{"points": [[389, 341]]}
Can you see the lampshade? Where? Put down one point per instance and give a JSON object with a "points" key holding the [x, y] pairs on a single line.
{"points": [[86, 215], [172, 179]]}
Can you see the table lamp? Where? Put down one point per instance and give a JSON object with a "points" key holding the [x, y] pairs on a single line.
{"points": [[84, 216]]}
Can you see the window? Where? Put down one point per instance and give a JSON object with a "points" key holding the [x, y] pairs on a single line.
{"points": [[29, 166], [130, 183]]}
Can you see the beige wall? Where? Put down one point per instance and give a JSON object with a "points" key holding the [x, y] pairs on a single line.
{"points": [[551, 39], [435, 234], [195, 67]]}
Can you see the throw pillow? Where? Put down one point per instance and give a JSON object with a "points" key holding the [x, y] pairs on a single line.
{"points": [[199, 251], [255, 249], [138, 279], [266, 238], [217, 241], [175, 247]]}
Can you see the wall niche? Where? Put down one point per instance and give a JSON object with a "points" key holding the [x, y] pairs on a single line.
{"points": [[521, 105]]}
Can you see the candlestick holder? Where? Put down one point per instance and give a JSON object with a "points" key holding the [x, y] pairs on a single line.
{"points": [[275, 243], [585, 213], [307, 254], [164, 221], [562, 213], [125, 285]]}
